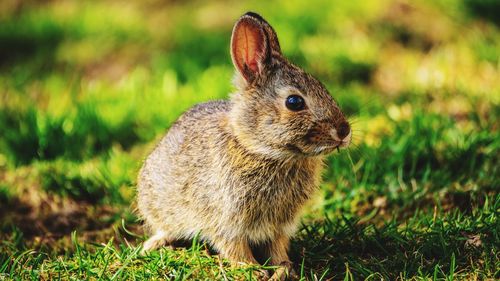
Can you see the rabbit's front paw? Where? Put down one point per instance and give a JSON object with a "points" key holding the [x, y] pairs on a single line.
{"points": [[284, 272]]}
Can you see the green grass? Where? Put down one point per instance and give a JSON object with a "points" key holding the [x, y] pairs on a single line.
{"points": [[87, 88]]}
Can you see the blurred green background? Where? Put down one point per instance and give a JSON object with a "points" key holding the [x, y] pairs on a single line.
{"points": [[88, 87]]}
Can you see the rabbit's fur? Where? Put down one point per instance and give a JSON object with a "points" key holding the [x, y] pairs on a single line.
{"points": [[238, 172]]}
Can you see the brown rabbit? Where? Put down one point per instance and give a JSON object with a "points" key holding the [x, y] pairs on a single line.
{"points": [[238, 172]]}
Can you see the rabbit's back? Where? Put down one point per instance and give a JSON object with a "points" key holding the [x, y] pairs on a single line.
{"points": [[181, 161]]}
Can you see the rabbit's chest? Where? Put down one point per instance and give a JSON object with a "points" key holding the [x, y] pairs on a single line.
{"points": [[270, 201]]}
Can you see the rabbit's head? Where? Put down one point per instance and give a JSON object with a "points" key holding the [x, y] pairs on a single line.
{"points": [[279, 110]]}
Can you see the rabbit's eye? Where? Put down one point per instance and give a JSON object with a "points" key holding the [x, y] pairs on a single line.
{"points": [[295, 103]]}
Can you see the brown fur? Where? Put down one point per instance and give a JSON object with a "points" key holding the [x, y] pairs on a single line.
{"points": [[238, 172]]}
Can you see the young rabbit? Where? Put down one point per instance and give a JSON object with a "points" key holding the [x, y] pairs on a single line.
{"points": [[238, 172]]}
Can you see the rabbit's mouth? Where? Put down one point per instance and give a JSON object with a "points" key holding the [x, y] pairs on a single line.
{"points": [[328, 149], [313, 151], [323, 147]]}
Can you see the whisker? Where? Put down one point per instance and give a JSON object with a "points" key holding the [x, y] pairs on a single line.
{"points": [[364, 106], [358, 133], [354, 147], [353, 167], [356, 137]]}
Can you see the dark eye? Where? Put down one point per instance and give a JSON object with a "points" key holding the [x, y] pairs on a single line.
{"points": [[295, 103]]}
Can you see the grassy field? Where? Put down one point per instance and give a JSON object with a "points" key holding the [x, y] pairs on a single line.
{"points": [[88, 87]]}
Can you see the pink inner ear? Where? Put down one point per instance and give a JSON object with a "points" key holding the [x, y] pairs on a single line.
{"points": [[247, 46]]}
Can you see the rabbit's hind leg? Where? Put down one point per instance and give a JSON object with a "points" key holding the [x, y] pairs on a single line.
{"points": [[160, 238]]}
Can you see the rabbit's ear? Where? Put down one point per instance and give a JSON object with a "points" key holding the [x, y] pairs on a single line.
{"points": [[250, 50], [274, 44]]}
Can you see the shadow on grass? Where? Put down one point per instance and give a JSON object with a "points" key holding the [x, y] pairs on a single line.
{"points": [[35, 219], [425, 247], [44, 224]]}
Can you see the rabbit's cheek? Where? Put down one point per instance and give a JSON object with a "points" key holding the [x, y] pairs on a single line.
{"points": [[313, 136]]}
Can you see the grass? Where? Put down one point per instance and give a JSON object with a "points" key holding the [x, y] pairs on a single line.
{"points": [[87, 88]]}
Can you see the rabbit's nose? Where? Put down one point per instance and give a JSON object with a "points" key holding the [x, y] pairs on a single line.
{"points": [[343, 130]]}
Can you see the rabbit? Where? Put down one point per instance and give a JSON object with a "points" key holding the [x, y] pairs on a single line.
{"points": [[238, 172]]}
